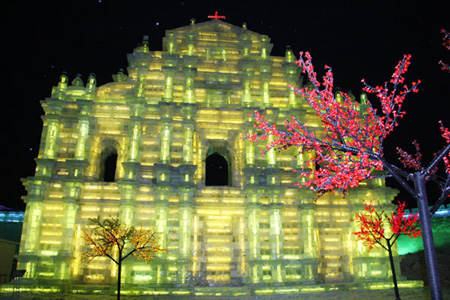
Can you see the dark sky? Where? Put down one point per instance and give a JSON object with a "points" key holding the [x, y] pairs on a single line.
{"points": [[359, 39]]}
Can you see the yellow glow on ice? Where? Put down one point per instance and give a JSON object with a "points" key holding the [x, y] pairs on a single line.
{"points": [[171, 111]]}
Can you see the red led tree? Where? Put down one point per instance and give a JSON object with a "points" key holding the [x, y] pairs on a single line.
{"points": [[446, 44], [349, 147], [372, 231]]}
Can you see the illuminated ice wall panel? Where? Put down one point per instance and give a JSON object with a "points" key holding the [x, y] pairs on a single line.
{"points": [[141, 148]]}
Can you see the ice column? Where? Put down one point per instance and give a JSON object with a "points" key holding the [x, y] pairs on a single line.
{"points": [[83, 131], [246, 66], [253, 211], [72, 188], [132, 164], [165, 132], [265, 68], [162, 193], [169, 73], [292, 72], [78, 164], [309, 239], [276, 231], [51, 138], [186, 194], [189, 75]]}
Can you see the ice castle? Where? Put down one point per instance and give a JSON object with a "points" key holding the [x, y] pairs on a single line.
{"points": [[149, 146]]}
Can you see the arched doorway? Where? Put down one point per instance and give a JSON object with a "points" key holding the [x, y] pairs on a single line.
{"points": [[216, 170], [110, 166], [218, 165], [108, 161]]}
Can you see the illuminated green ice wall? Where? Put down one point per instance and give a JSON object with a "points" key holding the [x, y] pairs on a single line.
{"points": [[441, 236], [159, 124]]}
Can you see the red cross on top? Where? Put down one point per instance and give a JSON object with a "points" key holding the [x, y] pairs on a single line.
{"points": [[216, 16]]}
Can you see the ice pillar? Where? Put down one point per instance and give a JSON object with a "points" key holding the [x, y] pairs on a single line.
{"points": [[51, 137], [189, 94], [292, 72], [72, 190], [185, 217], [265, 67], [132, 164], [29, 247], [275, 193], [253, 212], [310, 240], [83, 133]]}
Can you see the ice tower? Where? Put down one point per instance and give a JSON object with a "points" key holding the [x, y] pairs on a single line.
{"points": [[164, 131]]}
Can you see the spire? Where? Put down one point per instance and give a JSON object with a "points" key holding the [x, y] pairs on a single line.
{"points": [[120, 76], [264, 46], [289, 55], [91, 84], [144, 47], [77, 81], [59, 91], [63, 79]]}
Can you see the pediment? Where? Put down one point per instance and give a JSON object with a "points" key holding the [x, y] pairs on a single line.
{"points": [[215, 26]]}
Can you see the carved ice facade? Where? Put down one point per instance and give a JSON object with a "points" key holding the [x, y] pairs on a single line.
{"points": [[157, 127]]}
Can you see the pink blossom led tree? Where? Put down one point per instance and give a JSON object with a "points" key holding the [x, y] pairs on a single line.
{"points": [[349, 148], [372, 231], [446, 44]]}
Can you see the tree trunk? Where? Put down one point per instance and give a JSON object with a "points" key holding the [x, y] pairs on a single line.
{"points": [[119, 275], [394, 277], [427, 234]]}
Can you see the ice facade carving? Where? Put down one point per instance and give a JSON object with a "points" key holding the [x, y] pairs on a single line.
{"points": [[158, 125]]}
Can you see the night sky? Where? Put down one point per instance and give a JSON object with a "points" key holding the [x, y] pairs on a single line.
{"points": [[362, 40]]}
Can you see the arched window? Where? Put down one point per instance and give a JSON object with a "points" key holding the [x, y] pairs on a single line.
{"points": [[216, 170], [108, 161], [110, 167]]}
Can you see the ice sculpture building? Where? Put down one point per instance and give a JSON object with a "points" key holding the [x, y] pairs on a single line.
{"points": [[164, 131]]}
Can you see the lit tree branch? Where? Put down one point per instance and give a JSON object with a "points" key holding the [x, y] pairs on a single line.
{"points": [[446, 44], [372, 230], [348, 148], [110, 234]]}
